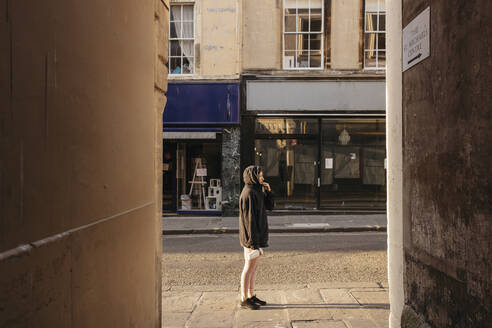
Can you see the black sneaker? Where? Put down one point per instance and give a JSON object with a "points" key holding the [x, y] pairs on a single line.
{"points": [[248, 303], [256, 300]]}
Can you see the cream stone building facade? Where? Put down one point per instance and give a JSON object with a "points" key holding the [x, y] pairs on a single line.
{"points": [[296, 86]]}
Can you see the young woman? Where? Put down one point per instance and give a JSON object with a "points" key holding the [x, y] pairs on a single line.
{"points": [[256, 197]]}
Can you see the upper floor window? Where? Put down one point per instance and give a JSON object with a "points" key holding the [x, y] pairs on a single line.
{"points": [[181, 40], [303, 34], [375, 34]]}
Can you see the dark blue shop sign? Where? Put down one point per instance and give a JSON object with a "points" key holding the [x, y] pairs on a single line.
{"points": [[197, 103]]}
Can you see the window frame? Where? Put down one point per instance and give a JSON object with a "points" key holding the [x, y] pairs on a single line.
{"points": [[376, 32], [296, 33], [181, 21]]}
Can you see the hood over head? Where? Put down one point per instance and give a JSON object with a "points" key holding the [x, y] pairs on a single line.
{"points": [[251, 175]]}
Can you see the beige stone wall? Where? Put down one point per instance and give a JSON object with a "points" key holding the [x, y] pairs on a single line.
{"points": [[81, 88], [345, 34], [262, 35], [217, 39]]}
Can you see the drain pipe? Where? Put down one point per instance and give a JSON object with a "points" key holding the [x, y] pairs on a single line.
{"points": [[394, 129]]}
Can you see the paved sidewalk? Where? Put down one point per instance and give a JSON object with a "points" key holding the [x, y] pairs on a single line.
{"points": [[329, 305], [173, 225]]}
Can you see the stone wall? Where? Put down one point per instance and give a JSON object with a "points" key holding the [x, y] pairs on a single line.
{"points": [[446, 171], [231, 170], [80, 223]]}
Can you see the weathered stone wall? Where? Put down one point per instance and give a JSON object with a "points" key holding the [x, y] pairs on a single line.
{"points": [[80, 224], [231, 170], [447, 178]]}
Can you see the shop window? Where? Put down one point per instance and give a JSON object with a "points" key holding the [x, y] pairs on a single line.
{"points": [[181, 40], [375, 34], [303, 34]]}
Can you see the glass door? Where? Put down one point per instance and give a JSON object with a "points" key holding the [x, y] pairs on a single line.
{"points": [[287, 149], [352, 159]]}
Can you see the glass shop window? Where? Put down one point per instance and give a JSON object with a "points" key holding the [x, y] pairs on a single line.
{"points": [[198, 176], [181, 40], [286, 126]]}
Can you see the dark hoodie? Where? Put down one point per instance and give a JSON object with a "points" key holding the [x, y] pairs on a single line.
{"points": [[253, 203]]}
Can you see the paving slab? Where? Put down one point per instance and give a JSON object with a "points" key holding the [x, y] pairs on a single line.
{"points": [[343, 285], [174, 319], [355, 323], [263, 324], [179, 301], [371, 298], [303, 296], [297, 314], [216, 319], [380, 317], [338, 297], [264, 314], [318, 324], [218, 301], [205, 288]]}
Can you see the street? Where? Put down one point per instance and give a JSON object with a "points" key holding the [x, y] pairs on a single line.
{"points": [[198, 260]]}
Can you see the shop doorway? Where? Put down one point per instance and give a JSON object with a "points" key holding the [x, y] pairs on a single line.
{"points": [[323, 163]]}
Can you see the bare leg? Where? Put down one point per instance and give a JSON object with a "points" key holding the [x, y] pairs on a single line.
{"points": [[246, 277], [252, 280]]}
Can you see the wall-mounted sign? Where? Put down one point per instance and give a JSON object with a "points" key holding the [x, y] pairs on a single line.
{"points": [[328, 163], [416, 40]]}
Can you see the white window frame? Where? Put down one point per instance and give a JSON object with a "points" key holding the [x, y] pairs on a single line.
{"points": [[378, 12], [181, 5], [322, 33]]}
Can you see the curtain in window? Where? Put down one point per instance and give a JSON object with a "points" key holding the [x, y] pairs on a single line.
{"points": [[187, 33]]}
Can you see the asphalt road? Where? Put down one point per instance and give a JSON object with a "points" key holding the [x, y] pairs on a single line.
{"points": [[197, 260]]}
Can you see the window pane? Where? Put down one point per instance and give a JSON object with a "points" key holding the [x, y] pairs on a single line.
{"points": [[372, 5], [303, 23], [289, 59], [315, 3], [175, 48], [315, 41], [290, 11], [371, 21], [381, 41], [381, 59], [370, 41], [188, 30], [382, 22], [174, 34], [370, 59], [305, 42], [175, 67], [315, 59], [303, 11], [178, 30], [290, 23], [315, 12], [286, 126], [290, 41], [188, 65], [315, 24], [175, 13], [187, 48], [382, 5], [188, 13], [303, 60], [290, 4]]}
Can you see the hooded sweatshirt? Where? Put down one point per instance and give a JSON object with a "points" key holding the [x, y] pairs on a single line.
{"points": [[253, 203]]}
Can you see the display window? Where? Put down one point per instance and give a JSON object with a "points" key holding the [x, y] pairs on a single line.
{"points": [[321, 163], [193, 179]]}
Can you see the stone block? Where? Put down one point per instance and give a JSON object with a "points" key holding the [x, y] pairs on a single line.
{"points": [[379, 316], [309, 313], [262, 315], [263, 324]]}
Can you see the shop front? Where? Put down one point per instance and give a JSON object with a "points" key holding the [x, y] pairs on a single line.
{"points": [[315, 160], [195, 118]]}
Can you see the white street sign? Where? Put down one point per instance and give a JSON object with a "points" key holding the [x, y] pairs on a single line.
{"points": [[416, 40]]}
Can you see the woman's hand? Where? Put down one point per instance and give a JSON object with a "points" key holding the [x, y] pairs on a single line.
{"points": [[267, 186]]}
